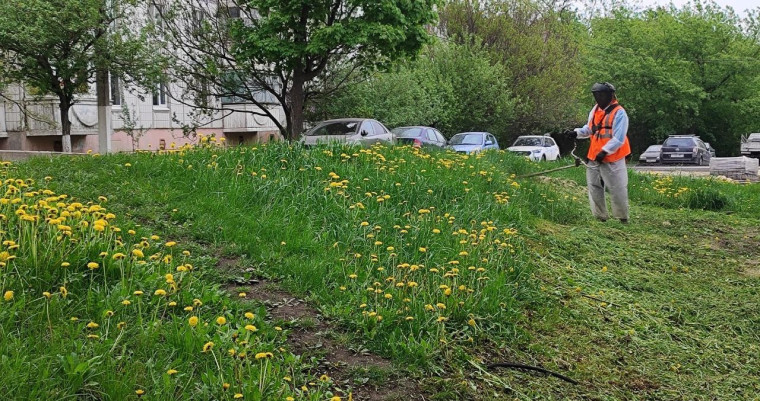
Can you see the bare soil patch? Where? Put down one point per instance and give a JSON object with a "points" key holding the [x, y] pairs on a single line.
{"points": [[312, 335]]}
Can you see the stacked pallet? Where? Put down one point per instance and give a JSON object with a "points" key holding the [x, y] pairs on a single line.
{"points": [[735, 168]]}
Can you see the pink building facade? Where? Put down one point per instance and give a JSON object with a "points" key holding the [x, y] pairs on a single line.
{"points": [[139, 121]]}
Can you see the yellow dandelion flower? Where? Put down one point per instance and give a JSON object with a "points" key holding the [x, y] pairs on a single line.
{"points": [[138, 293], [138, 253], [170, 244], [264, 355], [159, 292], [171, 372], [8, 295], [237, 396], [92, 325], [47, 294], [251, 328], [126, 302], [221, 320], [193, 321], [92, 266], [242, 295], [65, 264], [208, 346]]}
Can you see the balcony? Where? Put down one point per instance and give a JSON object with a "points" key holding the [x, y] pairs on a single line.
{"points": [[42, 118]]}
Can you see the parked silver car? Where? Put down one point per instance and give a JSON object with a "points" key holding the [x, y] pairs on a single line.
{"points": [[472, 142], [651, 155], [353, 131]]}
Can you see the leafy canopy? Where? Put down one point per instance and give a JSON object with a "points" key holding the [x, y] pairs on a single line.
{"points": [[693, 70]]}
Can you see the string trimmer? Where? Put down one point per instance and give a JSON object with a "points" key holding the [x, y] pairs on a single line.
{"points": [[578, 162]]}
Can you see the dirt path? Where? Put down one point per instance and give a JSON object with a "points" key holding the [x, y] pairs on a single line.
{"points": [[313, 336]]}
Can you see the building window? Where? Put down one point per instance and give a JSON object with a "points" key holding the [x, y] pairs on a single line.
{"points": [[115, 91], [160, 95]]}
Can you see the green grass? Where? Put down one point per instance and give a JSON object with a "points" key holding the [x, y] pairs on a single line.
{"points": [[506, 273]]}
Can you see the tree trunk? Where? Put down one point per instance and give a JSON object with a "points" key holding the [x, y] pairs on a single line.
{"points": [[65, 105], [296, 105]]}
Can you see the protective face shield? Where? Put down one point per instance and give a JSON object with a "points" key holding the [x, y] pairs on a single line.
{"points": [[603, 93]]}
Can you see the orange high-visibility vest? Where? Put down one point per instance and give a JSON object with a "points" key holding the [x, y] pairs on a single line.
{"points": [[601, 133]]}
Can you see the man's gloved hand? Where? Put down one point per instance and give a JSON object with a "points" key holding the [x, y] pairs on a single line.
{"points": [[600, 156], [570, 133]]}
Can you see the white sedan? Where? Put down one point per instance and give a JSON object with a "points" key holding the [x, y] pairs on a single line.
{"points": [[536, 147]]}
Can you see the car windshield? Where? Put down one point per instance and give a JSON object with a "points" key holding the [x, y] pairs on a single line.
{"points": [[682, 142], [653, 148], [335, 128], [466, 139], [528, 142], [407, 132]]}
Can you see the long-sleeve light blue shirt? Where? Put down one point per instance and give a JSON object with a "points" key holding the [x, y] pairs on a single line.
{"points": [[619, 130]]}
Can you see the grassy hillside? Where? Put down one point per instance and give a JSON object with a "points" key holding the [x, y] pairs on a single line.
{"points": [[441, 262]]}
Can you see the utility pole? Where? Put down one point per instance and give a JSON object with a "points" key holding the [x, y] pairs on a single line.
{"points": [[105, 128], [103, 86]]}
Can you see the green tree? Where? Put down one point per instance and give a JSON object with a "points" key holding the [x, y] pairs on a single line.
{"points": [[56, 47], [452, 87], [538, 43], [692, 70], [281, 52]]}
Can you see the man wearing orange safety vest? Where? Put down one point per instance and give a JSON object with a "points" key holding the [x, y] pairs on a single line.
{"points": [[608, 128]]}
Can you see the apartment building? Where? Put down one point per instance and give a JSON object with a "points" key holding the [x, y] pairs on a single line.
{"points": [[140, 119]]}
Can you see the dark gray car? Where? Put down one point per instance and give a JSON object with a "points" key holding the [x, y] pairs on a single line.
{"points": [[419, 137], [684, 149]]}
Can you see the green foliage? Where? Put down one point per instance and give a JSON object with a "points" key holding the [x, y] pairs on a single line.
{"points": [[282, 52], [692, 70], [56, 47], [538, 44], [452, 87]]}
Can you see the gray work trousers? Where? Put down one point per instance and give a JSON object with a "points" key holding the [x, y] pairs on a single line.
{"points": [[614, 178]]}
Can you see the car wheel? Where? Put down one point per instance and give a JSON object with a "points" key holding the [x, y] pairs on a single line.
{"points": [[543, 158]]}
